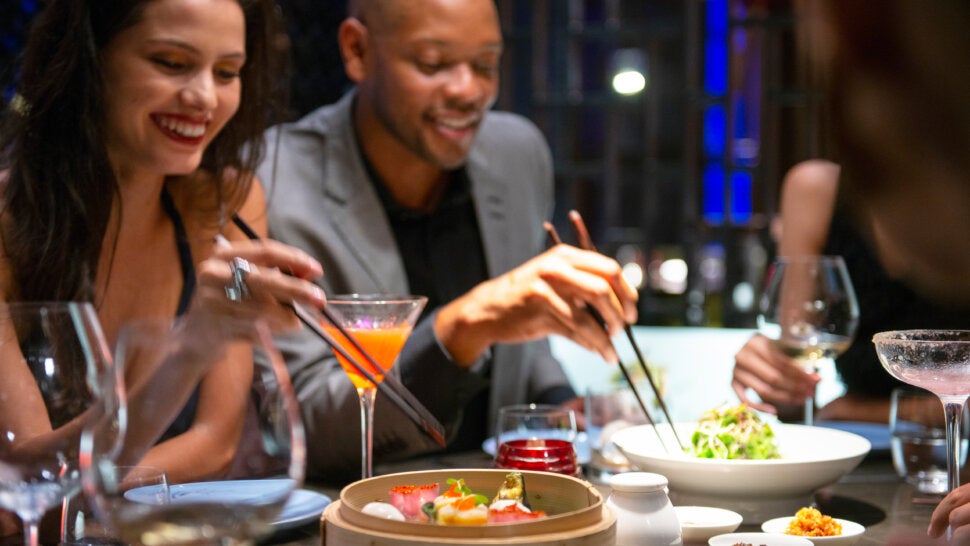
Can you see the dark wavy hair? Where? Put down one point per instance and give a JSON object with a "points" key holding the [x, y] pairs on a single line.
{"points": [[59, 187]]}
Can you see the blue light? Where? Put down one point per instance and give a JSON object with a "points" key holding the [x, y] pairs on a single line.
{"points": [[716, 47], [712, 198], [715, 67], [715, 131], [716, 17], [741, 206]]}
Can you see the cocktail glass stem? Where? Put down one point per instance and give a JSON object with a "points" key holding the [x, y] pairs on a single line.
{"points": [[953, 408], [367, 397]]}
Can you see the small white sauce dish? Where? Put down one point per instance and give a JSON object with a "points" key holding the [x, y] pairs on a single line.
{"points": [[758, 539], [851, 531], [699, 523]]}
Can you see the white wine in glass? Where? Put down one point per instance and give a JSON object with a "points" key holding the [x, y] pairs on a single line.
{"points": [[809, 310]]}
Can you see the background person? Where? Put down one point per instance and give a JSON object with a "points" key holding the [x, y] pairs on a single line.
{"points": [[410, 184], [899, 77], [814, 220]]}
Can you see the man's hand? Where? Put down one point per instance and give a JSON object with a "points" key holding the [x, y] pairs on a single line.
{"points": [[547, 295]]}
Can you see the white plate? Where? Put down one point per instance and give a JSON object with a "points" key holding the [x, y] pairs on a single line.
{"points": [[699, 523], [811, 457], [851, 531], [301, 507], [758, 539], [581, 444]]}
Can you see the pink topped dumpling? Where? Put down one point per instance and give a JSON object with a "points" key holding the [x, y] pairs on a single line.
{"points": [[410, 498]]}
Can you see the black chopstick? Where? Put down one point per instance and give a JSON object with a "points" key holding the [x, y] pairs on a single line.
{"points": [[586, 242], [555, 240], [389, 386]]}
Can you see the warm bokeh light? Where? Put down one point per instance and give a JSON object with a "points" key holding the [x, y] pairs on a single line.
{"points": [[629, 82]]}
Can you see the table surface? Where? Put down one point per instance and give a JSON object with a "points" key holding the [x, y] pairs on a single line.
{"points": [[871, 495]]}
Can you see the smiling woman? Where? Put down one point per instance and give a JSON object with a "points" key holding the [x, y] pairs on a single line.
{"points": [[133, 145]]}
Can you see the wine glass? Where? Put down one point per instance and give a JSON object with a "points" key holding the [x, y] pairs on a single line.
{"points": [[380, 324], [56, 375], [938, 361], [239, 506], [133, 488], [809, 310]]}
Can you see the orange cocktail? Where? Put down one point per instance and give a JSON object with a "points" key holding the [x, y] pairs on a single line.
{"points": [[382, 344], [380, 324]]}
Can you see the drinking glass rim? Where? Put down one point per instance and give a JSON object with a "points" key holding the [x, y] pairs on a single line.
{"points": [[374, 298], [801, 258], [922, 336]]}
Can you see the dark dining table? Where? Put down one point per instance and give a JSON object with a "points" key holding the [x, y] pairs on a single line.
{"points": [[871, 495]]}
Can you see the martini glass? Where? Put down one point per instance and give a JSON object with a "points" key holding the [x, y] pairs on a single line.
{"points": [[809, 311], [938, 361], [380, 324]]}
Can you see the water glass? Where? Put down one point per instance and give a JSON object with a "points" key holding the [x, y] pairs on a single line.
{"points": [[918, 429], [537, 437]]}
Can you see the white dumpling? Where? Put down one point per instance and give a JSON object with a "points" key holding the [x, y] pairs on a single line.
{"points": [[383, 510]]}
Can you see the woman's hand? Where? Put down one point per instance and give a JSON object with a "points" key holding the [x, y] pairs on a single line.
{"points": [[272, 275], [953, 511], [777, 379]]}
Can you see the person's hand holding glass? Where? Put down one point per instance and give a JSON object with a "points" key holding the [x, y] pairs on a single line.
{"points": [[809, 311]]}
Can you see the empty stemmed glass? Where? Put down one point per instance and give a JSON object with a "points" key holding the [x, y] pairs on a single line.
{"points": [[380, 324], [237, 507], [809, 311], [938, 361], [56, 376]]}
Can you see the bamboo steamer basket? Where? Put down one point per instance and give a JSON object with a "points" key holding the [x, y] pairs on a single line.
{"points": [[577, 515]]}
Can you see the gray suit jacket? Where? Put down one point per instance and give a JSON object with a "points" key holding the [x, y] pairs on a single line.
{"points": [[321, 200]]}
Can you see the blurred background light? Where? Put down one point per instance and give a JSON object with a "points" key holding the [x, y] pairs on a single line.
{"points": [[629, 71]]}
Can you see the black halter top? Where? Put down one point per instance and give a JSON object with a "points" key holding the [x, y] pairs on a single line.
{"points": [[184, 419]]}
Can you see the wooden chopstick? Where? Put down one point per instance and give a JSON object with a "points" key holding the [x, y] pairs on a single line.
{"points": [[555, 240], [586, 242], [390, 385]]}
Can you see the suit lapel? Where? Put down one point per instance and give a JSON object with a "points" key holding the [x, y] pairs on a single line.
{"points": [[355, 211], [491, 194]]}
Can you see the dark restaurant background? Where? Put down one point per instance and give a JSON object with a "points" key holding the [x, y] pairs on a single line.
{"points": [[678, 180]]}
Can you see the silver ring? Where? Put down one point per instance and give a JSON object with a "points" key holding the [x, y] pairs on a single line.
{"points": [[238, 290]]}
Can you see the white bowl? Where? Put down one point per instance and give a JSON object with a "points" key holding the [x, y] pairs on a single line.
{"points": [[851, 531], [699, 523], [811, 457], [758, 539]]}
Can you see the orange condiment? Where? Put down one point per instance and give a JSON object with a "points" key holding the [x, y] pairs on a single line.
{"points": [[383, 344]]}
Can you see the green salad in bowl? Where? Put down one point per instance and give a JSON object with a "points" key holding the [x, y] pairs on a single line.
{"points": [[733, 432]]}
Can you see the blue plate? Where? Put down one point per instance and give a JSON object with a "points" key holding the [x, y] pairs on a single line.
{"points": [[877, 433], [581, 443], [302, 506]]}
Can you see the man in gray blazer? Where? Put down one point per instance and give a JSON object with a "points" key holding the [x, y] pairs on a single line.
{"points": [[409, 184]]}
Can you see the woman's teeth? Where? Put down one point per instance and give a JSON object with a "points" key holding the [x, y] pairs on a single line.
{"points": [[182, 128]]}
